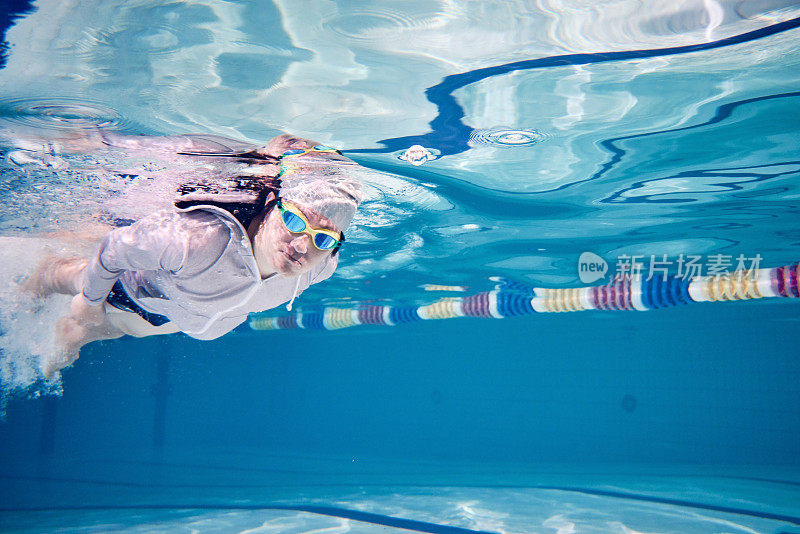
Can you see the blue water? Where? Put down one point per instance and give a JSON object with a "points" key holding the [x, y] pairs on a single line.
{"points": [[552, 129]]}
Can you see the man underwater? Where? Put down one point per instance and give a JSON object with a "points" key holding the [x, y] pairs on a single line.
{"points": [[243, 241]]}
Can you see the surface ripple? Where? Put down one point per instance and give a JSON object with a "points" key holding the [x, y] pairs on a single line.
{"points": [[59, 113]]}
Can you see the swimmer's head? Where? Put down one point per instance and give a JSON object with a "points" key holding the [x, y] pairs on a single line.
{"points": [[315, 180], [336, 198], [317, 177]]}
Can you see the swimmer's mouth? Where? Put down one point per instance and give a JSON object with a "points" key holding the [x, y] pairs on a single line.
{"points": [[292, 259]]}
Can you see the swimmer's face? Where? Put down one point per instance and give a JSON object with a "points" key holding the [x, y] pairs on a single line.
{"points": [[292, 254]]}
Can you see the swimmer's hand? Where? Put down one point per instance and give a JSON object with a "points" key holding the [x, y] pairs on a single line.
{"points": [[84, 324]]}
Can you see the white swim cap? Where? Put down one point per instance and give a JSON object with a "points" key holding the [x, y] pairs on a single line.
{"points": [[326, 191]]}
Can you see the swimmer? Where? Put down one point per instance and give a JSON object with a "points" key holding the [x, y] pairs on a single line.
{"points": [[223, 252]]}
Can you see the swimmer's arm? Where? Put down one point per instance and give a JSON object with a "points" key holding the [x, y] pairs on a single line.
{"points": [[158, 242]]}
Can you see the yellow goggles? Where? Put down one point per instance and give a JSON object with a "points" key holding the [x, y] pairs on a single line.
{"points": [[296, 223]]}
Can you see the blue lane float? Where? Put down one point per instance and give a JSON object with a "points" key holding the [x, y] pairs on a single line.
{"points": [[515, 299]]}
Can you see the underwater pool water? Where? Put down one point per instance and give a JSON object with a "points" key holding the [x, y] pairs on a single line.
{"points": [[423, 387]]}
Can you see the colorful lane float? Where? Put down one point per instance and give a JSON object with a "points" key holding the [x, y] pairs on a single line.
{"points": [[512, 299]]}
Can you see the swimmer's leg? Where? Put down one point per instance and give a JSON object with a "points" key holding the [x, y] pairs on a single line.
{"points": [[84, 324], [72, 336], [102, 322]]}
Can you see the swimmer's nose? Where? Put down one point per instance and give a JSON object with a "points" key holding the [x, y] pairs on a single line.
{"points": [[300, 243]]}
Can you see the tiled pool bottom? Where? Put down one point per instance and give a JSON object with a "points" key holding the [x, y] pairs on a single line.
{"points": [[303, 495]]}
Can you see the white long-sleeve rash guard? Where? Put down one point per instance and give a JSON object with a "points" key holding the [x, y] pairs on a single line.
{"points": [[194, 266]]}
